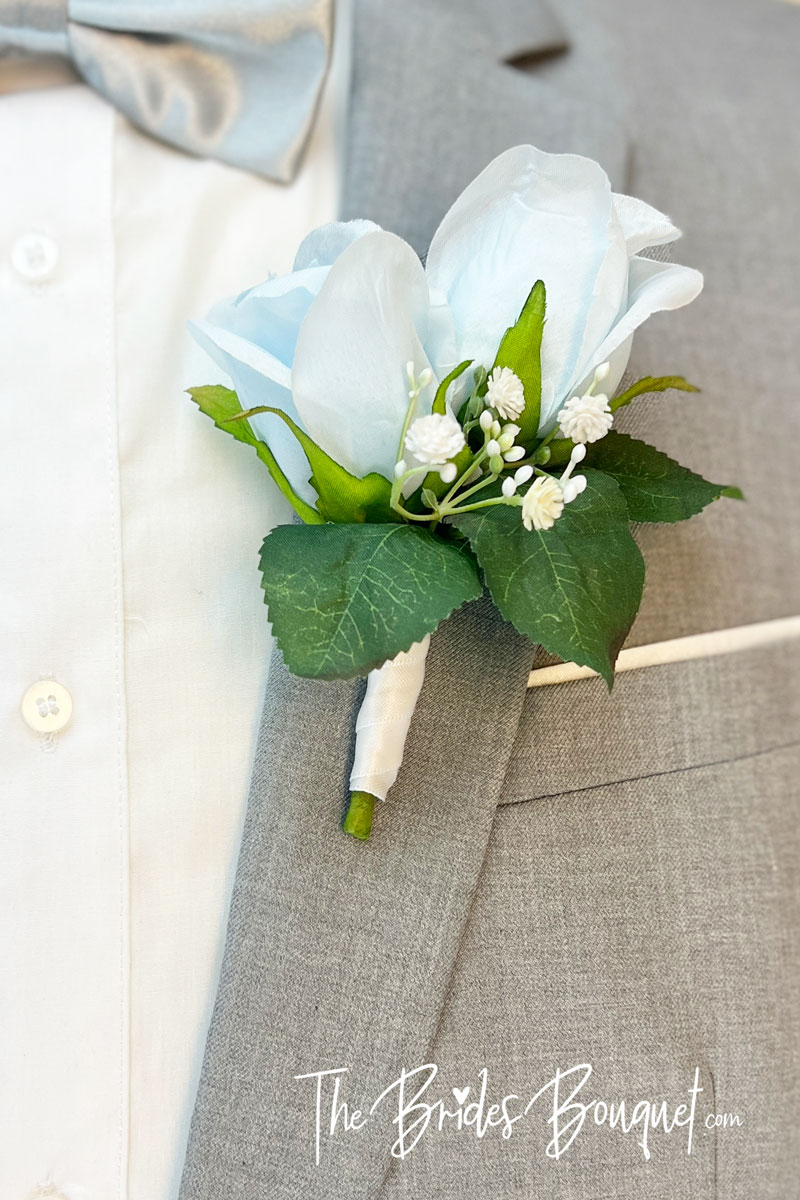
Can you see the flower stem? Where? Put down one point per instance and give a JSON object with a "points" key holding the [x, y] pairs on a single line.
{"points": [[512, 500], [456, 507], [476, 461], [358, 819]]}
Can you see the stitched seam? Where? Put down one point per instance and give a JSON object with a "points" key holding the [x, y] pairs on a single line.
{"points": [[593, 787]]}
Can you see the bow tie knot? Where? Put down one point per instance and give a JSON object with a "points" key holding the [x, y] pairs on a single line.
{"points": [[236, 82]]}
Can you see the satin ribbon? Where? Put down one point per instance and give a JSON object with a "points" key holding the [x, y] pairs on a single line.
{"points": [[384, 719], [238, 81]]}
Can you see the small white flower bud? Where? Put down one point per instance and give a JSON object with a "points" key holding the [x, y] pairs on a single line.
{"points": [[410, 373], [505, 441], [514, 454], [496, 464], [602, 372], [578, 453], [512, 429], [400, 468], [573, 488], [486, 420], [447, 473], [425, 377], [509, 487], [496, 429], [523, 474], [493, 446]]}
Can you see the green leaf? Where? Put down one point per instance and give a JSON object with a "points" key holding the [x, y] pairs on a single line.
{"points": [[440, 399], [222, 406], [521, 350], [655, 487], [345, 598], [651, 383], [433, 482], [575, 588], [343, 498]]}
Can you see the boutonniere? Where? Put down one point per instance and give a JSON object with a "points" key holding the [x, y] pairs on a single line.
{"points": [[446, 428]]}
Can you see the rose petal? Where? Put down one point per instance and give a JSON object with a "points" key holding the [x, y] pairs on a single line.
{"points": [[642, 224], [323, 246], [349, 383], [530, 216]]}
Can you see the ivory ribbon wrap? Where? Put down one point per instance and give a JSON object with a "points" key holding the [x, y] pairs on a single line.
{"points": [[384, 718]]}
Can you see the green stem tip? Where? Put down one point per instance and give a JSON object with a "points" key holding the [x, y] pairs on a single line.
{"points": [[358, 819]]}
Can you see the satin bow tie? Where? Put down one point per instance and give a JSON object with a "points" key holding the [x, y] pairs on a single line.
{"points": [[237, 80]]}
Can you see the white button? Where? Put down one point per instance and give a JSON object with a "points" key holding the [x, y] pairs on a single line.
{"points": [[34, 256], [47, 706]]}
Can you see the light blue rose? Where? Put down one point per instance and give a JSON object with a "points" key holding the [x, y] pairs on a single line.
{"points": [[329, 344]]}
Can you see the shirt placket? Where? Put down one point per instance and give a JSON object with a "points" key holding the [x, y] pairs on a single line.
{"points": [[64, 1023]]}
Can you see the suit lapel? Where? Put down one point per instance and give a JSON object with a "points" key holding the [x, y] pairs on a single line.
{"points": [[435, 97]]}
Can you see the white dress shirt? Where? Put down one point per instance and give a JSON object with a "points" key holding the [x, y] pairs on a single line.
{"points": [[129, 594]]}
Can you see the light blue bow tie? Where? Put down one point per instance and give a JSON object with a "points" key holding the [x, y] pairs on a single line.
{"points": [[237, 80]]}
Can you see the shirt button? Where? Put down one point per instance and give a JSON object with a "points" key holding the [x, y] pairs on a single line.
{"points": [[34, 256], [46, 706]]}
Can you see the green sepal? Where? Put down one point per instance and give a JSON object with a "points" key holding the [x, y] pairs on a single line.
{"points": [[345, 598], [521, 350], [655, 487], [576, 588], [651, 383], [343, 498], [433, 481], [440, 399], [222, 405]]}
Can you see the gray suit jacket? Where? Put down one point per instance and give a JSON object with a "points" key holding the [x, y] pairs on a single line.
{"points": [[557, 878]]}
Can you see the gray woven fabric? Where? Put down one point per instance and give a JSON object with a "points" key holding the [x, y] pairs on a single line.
{"points": [[713, 93], [632, 900], [433, 103], [340, 951], [645, 918]]}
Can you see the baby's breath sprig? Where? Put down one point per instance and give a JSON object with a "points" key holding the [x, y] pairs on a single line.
{"points": [[434, 443]]}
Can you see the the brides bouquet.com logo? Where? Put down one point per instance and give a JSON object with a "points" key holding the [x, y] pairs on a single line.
{"points": [[422, 1104]]}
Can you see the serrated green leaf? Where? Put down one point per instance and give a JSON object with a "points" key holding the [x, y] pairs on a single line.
{"points": [[521, 350], [222, 405], [346, 598], [651, 383], [440, 399], [575, 588], [655, 487], [343, 498]]}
